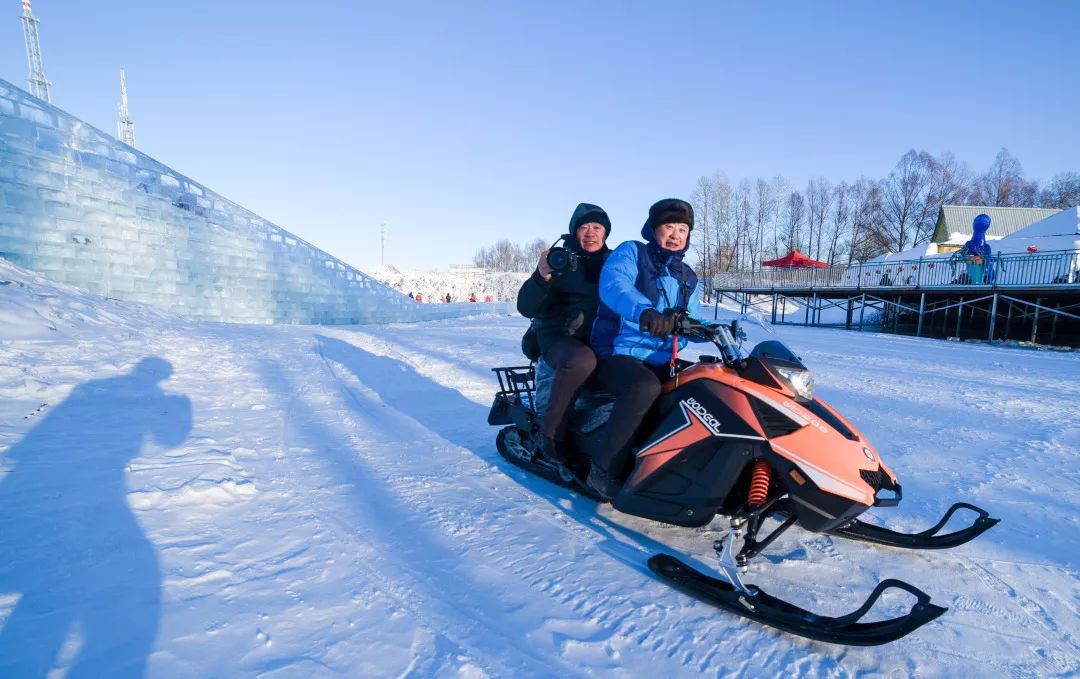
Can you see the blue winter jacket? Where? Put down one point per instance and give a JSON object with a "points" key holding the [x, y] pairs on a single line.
{"points": [[636, 277]]}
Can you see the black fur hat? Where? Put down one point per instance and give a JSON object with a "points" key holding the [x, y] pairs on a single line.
{"points": [[671, 211]]}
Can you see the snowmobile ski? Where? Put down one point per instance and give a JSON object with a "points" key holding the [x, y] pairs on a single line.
{"points": [[521, 455], [757, 605], [927, 539]]}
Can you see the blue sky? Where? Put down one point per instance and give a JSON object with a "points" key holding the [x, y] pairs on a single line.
{"points": [[456, 124]]}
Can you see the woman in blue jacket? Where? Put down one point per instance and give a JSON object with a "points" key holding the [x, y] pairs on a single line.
{"points": [[632, 335]]}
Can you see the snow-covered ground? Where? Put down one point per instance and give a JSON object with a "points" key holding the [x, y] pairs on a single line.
{"points": [[204, 500]]}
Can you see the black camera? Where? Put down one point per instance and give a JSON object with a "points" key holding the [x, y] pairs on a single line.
{"points": [[562, 260]]}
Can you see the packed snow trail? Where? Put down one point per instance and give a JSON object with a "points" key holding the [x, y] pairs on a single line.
{"points": [[335, 506]]}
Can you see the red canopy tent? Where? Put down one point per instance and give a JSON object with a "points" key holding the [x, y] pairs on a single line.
{"points": [[795, 260]]}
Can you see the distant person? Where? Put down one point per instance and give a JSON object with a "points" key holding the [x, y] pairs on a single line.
{"points": [[642, 288], [472, 297], [448, 298], [411, 295], [487, 298], [420, 297], [563, 305]]}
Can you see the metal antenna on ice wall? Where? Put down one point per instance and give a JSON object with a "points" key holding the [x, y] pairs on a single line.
{"points": [[125, 127], [39, 85]]}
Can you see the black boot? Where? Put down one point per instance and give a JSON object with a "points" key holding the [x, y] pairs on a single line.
{"points": [[552, 450], [606, 485]]}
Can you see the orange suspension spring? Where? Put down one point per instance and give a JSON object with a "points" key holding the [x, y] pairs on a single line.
{"points": [[759, 483]]}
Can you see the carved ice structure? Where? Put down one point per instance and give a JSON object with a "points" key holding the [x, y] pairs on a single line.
{"points": [[81, 207]]}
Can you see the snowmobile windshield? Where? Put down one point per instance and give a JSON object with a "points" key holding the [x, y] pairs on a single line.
{"points": [[781, 364]]}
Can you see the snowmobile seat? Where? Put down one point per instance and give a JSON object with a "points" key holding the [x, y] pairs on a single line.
{"points": [[591, 409]]}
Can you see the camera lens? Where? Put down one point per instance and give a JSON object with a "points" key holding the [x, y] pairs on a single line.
{"points": [[558, 259]]}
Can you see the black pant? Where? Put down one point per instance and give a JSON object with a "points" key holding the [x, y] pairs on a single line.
{"points": [[635, 386], [573, 362]]}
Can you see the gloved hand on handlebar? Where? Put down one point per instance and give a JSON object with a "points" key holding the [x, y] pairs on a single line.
{"points": [[656, 324]]}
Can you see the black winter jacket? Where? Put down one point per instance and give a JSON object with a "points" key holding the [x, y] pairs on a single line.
{"points": [[566, 305]]}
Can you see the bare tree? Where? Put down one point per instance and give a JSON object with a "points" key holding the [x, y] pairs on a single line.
{"points": [[764, 224], [907, 198], [952, 180], [730, 250], [483, 257], [795, 215], [532, 252], [779, 188], [1004, 185], [1062, 192], [840, 221], [703, 234], [507, 256], [818, 196], [742, 211], [948, 183], [724, 235], [869, 233]]}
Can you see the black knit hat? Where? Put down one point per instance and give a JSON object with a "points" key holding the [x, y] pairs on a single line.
{"points": [[671, 211], [587, 212]]}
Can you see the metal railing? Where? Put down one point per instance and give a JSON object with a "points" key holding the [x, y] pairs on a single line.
{"points": [[1056, 268]]}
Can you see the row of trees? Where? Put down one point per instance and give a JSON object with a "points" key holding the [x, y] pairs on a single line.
{"points": [[739, 225], [507, 256]]}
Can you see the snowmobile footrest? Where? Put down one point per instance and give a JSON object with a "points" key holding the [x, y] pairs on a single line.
{"points": [[928, 539], [768, 610]]}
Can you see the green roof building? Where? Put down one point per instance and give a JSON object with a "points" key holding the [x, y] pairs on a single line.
{"points": [[954, 222]]}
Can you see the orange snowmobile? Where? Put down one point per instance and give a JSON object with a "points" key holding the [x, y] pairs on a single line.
{"points": [[743, 437]]}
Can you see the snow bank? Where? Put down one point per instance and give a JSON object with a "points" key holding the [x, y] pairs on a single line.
{"points": [[460, 283], [35, 307]]}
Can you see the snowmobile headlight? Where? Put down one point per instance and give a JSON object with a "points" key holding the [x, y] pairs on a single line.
{"points": [[801, 380]]}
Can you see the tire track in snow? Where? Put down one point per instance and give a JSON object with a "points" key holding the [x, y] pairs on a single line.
{"points": [[1050, 654], [440, 604], [430, 649]]}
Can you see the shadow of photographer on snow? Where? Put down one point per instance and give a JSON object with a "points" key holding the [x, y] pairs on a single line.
{"points": [[70, 546]]}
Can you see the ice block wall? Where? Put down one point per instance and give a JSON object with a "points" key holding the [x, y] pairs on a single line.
{"points": [[83, 208]]}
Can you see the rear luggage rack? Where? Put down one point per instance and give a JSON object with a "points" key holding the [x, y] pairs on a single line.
{"points": [[517, 385]]}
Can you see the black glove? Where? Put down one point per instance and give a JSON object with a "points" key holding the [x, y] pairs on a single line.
{"points": [[574, 321], [656, 324]]}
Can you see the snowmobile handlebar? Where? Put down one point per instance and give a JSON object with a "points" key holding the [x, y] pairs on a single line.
{"points": [[719, 334]]}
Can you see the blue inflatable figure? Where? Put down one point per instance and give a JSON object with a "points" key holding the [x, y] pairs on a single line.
{"points": [[976, 253]]}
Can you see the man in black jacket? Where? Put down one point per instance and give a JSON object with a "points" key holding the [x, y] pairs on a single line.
{"points": [[564, 303]]}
